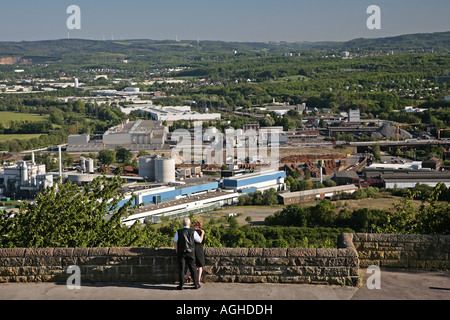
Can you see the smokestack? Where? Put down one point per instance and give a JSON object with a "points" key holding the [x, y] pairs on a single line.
{"points": [[320, 164], [32, 157], [60, 161]]}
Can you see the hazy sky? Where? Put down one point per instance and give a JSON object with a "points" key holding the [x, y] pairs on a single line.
{"points": [[228, 20]]}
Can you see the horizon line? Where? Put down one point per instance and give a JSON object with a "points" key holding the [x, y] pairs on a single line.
{"points": [[227, 41]]}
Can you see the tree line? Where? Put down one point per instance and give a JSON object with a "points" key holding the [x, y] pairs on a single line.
{"points": [[64, 118], [432, 216]]}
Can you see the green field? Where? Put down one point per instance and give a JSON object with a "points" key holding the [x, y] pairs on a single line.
{"points": [[6, 137], [6, 117]]}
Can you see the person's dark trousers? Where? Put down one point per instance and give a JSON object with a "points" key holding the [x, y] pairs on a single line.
{"points": [[187, 259]]}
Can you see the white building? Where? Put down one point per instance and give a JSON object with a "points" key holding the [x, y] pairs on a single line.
{"points": [[140, 132], [354, 116], [176, 113], [182, 207], [411, 179], [26, 177], [261, 180]]}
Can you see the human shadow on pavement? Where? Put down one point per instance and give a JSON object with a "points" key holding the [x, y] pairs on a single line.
{"points": [[136, 285]]}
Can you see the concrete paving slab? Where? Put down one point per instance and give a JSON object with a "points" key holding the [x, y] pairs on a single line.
{"points": [[405, 285], [144, 291], [394, 285]]}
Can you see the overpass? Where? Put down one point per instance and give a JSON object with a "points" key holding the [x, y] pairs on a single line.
{"points": [[381, 143], [363, 146], [404, 143]]}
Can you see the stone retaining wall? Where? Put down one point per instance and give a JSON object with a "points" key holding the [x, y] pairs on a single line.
{"points": [[250, 265], [280, 265], [96, 264], [327, 266], [425, 252]]}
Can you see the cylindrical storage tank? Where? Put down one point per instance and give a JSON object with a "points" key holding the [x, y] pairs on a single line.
{"points": [[83, 164], [23, 173], [89, 165], [164, 170], [147, 168]]}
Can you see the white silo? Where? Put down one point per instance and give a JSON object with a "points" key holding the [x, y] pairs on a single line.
{"points": [[23, 173], [89, 165], [83, 164], [147, 168], [164, 170]]}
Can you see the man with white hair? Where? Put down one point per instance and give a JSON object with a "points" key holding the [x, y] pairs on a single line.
{"points": [[184, 242]]}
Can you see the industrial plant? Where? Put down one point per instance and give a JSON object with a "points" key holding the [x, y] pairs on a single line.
{"points": [[131, 135], [25, 179], [181, 199]]}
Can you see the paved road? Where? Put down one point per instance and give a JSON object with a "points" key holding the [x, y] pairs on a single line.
{"points": [[394, 285]]}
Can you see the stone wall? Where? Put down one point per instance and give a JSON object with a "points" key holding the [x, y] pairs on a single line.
{"points": [[327, 266], [96, 264], [250, 265], [281, 265], [425, 252]]}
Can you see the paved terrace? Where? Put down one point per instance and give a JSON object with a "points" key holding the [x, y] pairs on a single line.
{"points": [[394, 285]]}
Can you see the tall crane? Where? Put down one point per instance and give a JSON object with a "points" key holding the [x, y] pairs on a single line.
{"points": [[398, 125], [439, 132]]}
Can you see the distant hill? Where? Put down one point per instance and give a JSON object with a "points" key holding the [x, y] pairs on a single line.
{"points": [[438, 40], [56, 50]]}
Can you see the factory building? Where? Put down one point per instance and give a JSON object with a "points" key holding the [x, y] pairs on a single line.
{"points": [[182, 207], [316, 194], [184, 172], [156, 168], [132, 135], [354, 116], [140, 132], [176, 113], [181, 200], [78, 139], [411, 178], [394, 167], [163, 194], [261, 180], [25, 179]]}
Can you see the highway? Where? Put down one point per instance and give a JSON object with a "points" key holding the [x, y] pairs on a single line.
{"points": [[410, 142]]}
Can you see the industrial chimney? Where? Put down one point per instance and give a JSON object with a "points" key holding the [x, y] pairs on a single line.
{"points": [[60, 161]]}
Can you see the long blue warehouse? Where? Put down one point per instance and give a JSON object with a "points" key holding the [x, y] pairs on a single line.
{"points": [[255, 180]]}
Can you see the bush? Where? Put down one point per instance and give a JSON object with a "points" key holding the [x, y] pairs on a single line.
{"points": [[258, 198], [370, 192], [431, 217]]}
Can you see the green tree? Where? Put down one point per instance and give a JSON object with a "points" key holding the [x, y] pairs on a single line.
{"points": [[376, 151], [270, 197], [244, 200], [65, 216], [123, 155], [107, 157]]}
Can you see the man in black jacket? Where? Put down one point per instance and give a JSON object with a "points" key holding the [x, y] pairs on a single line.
{"points": [[184, 242]]}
